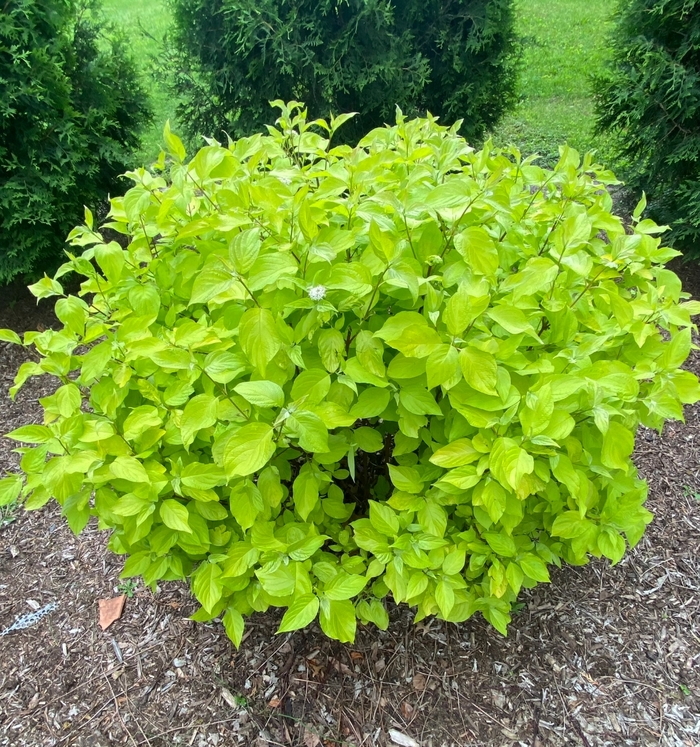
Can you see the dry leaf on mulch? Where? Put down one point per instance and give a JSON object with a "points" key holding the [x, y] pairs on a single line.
{"points": [[110, 610], [311, 739]]}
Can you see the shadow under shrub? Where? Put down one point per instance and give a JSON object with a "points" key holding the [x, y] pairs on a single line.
{"points": [[453, 58], [649, 99], [319, 376], [71, 109]]}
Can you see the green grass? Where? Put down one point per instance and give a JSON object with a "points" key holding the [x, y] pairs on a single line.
{"points": [[564, 43], [145, 23]]}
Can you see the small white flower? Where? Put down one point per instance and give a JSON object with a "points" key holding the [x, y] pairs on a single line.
{"points": [[317, 292], [285, 179]]}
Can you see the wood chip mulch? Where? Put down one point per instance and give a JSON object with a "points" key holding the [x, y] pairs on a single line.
{"points": [[601, 656]]}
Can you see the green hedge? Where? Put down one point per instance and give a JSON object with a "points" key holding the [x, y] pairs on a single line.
{"points": [[650, 99], [454, 58], [71, 109]]}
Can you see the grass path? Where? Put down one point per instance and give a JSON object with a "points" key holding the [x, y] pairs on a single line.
{"points": [[145, 22], [564, 43]]}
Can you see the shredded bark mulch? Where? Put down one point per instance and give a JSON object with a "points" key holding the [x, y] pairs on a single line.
{"points": [[601, 656]]}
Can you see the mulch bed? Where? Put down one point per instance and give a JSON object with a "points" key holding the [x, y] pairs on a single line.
{"points": [[601, 656]]}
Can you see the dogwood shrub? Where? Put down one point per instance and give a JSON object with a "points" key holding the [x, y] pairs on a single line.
{"points": [[320, 377]]}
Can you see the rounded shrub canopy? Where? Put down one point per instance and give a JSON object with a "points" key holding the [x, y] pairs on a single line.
{"points": [[453, 58], [317, 378]]}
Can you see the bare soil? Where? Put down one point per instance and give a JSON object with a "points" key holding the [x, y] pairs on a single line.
{"points": [[601, 656]]}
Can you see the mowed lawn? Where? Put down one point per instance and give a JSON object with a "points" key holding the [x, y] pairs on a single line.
{"points": [[564, 43], [145, 22]]}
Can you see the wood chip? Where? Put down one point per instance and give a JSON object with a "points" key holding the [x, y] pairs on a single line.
{"points": [[228, 697], [401, 739]]}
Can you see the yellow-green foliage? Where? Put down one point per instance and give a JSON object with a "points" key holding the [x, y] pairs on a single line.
{"points": [[320, 376]]}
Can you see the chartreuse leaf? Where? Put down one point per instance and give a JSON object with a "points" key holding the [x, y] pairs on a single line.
{"points": [[479, 369], [207, 585], [261, 393], [270, 486], [442, 367], [344, 586], [432, 518], [537, 414], [31, 434], [317, 377], [534, 568], [301, 612], [10, 488], [244, 249], [213, 280], [371, 403], [479, 250], [128, 468], [310, 430], [174, 515], [7, 335], [373, 611], [456, 454], [139, 420], [501, 544], [338, 619], [175, 147], [509, 463], [383, 519], [331, 347], [618, 444], [445, 597], [306, 491], [249, 449], [67, 400], [246, 504], [462, 309], [492, 497], [419, 401], [234, 625], [406, 479], [259, 337], [513, 320], [199, 413], [368, 439], [110, 259], [611, 544], [203, 476]]}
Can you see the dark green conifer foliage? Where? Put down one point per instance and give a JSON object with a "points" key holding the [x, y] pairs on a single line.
{"points": [[454, 58], [71, 110], [650, 98]]}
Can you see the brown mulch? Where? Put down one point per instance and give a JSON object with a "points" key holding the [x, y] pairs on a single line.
{"points": [[601, 656]]}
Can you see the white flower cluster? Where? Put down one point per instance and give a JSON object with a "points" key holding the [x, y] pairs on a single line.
{"points": [[317, 292]]}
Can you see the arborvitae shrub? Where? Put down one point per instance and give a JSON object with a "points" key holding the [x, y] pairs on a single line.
{"points": [[316, 378], [453, 58], [71, 109], [650, 99]]}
